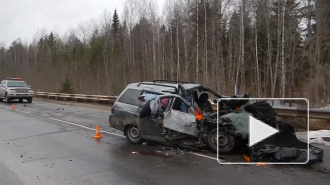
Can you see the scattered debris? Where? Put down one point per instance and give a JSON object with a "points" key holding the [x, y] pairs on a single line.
{"points": [[287, 148], [261, 164], [165, 152], [247, 159], [152, 154], [320, 137]]}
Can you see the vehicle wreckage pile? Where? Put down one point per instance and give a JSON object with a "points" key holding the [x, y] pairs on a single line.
{"points": [[181, 115], [283, 146]]}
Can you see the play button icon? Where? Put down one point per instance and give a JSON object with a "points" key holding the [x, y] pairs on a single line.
{"points": [[259, 131]]}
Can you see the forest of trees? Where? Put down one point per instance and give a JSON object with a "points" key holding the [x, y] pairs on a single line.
{"points": [[271, 48]]}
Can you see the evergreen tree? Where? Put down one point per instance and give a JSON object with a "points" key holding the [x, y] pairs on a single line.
{"points": [[115, 23], [67, 86]]}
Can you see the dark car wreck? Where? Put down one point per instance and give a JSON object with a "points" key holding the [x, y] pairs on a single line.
{"points": [[180, 114], [283, 146]]}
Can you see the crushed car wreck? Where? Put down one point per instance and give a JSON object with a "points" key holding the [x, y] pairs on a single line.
{"points": [[280, 147], [181, 115], [185, 120]]}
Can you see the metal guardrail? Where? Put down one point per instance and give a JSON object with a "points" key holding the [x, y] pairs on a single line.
{"points": [[77, 97], [299, 112], [281, 111], [302, 112]]}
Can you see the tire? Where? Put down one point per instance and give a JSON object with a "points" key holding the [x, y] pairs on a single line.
{"points": [[133, 135], [7, 100], [226, 141], [29, 100]]}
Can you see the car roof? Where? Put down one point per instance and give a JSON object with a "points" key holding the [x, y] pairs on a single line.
{"points": [[163, 86], [186, 86], [14, 80], [190, 86], [156, 86]]}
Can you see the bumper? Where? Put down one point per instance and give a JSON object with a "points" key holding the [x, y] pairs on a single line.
{"points": [[19, 95]]}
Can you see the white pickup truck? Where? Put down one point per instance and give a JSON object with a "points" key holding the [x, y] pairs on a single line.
{"points": [[15, 88]]}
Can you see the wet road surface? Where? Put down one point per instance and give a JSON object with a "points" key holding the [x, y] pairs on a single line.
{"points": [[48, 143]]}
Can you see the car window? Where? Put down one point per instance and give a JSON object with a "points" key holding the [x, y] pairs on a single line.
{"points": [[179, 105], [159, 87], [16, 84], [130, 96]]}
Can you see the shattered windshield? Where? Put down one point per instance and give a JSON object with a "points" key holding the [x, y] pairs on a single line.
{"points": [[16, 84]]}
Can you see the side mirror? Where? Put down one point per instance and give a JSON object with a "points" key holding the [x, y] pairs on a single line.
{"points": [[29, 86]]}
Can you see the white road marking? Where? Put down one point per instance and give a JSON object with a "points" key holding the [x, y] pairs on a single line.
{"points": [[15, 109], [5, 107], [23, 111], [201, 155], [75, 124]]}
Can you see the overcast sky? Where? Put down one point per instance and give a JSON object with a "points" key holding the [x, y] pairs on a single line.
{"points": [[22, 18]]}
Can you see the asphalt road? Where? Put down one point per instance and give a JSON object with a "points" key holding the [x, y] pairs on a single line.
{"points": [[48, 143]]}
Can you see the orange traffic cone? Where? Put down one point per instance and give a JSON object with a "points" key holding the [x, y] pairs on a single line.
{"points": [[13, 106], [97, 133]]}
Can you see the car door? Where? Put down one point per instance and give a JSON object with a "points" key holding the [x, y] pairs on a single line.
{"points": [[181, 118], [125, 110], [151, 127], [2, 90]]}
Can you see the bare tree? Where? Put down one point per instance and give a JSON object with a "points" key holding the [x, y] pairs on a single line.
{"points": [[205, 41], [197, 41]]}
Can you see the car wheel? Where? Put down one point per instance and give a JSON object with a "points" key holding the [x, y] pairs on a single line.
{"points": [[7, 100], [29, 100], [226, 141], [133, 135]]}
